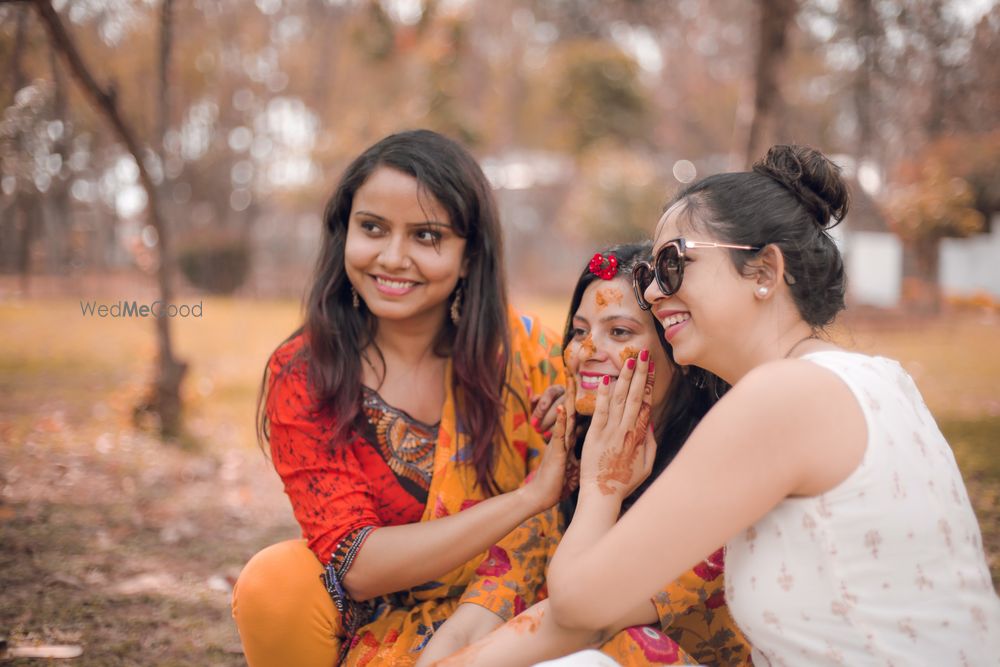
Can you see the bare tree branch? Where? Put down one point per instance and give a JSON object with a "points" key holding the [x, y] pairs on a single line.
{"points": [[166, 40], [165, 399]]}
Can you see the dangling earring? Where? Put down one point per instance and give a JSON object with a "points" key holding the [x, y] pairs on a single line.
{"points": [[456, 306], [355, 300]]}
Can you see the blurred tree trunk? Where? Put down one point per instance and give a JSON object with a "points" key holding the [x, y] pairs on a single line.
{"points": [[867, 35], [164, 398], [938, 90], [29, 212], [59, 252], [24, 209], [776, 17], [938, 33], [17, 77], [921, 273], [166, 41], [159, 143]]}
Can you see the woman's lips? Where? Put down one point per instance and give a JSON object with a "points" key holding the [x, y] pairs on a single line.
{"points": [[394, 286], [670, 332], [591, 381], [673, 321]]}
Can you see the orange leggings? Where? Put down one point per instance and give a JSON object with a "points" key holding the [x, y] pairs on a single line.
{"points": [[283, 612]]}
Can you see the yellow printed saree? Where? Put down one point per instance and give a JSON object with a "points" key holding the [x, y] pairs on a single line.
{"points": [[391, 630]]}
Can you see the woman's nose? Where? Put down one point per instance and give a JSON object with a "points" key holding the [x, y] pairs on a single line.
{"points": [[653, 293], [589, 349], [393, 255]]}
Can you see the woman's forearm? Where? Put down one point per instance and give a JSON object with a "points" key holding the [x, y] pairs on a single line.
{"points": [[394, 558], [594, 516], [525, 640], [534, 636], [468, 624]]}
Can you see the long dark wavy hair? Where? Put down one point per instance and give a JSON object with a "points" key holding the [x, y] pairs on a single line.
{"points": [[692, 391], [337, 334]]}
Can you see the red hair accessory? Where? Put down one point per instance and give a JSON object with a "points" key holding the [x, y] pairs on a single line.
{"points": [[604, 267]]}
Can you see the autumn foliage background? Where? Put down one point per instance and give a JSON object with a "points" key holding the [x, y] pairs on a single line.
{"points": [[131, 489]]}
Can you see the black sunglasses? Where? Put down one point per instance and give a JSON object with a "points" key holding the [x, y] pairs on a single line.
{"points": [[668, 267]]}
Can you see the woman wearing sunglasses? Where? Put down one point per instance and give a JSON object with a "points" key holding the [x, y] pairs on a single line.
{"points": [[850, 536], [686, 621]]}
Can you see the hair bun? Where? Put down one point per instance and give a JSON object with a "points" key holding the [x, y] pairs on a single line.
{"points": [[810, 176]]}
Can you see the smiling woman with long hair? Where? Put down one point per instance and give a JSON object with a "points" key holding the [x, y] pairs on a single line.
{"points": [[397, 418]]}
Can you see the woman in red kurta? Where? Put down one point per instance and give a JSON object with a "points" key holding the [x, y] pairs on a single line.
{"points": [[397, 420]]}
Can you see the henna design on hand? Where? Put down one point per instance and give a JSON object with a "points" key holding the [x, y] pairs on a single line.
{"points": [[617, 466], [645, 411]]}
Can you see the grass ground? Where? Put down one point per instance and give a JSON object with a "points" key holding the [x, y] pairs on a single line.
{"points": [[129, 546]]}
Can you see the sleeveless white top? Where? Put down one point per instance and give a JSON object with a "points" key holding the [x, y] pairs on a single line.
{"points": [[886, 568]]}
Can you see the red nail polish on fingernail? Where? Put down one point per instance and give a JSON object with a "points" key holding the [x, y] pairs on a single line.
{"points": [[644, 355], [607, 379], [535, 423], [652, 366], [630, 364], [547, 435]]}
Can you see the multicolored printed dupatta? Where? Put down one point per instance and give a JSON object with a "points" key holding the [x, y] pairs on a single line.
{"points": [[402, 624], [695, 625]]}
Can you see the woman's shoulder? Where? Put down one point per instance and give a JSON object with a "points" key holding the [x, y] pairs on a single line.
{"points": [[288, 373], [289, 354], [804, 415], [785, 377], [851, 362], [792, 392]]}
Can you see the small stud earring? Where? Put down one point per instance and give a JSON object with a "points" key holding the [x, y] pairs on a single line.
{"points": [[762, 291]]}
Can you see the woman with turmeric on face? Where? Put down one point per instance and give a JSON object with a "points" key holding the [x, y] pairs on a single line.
{"points": [[687, 621]]}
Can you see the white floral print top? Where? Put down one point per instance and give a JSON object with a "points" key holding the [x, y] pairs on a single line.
{"points": [[887, 568]]}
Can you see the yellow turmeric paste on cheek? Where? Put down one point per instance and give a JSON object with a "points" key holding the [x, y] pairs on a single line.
{"points": [[628, 353]]}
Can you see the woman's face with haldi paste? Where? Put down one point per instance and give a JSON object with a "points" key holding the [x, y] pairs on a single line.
{"points": [[608, 329]]}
